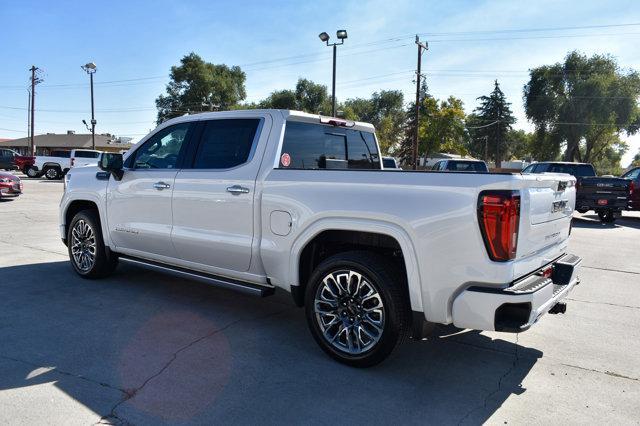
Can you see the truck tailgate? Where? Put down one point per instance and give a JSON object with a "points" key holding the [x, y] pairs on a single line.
{"points": [[548, 200]]}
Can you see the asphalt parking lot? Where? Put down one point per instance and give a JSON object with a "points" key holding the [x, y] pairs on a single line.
{"points": [[145, 348]]}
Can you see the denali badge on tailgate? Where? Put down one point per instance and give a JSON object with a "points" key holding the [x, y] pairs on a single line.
{"points": [[558, 206]]}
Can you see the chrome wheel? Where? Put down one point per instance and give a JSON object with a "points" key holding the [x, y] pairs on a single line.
{"points": [[349, 312], [51, 173], [83, 245]]}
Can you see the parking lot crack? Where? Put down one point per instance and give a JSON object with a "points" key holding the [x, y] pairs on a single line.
{"points": [[611, 270], [487, 398], [606, 372], [603, 303], [113, 416]]}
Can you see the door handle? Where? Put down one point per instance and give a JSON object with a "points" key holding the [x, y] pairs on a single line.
{"points": [[237, 190], [161, 185]]}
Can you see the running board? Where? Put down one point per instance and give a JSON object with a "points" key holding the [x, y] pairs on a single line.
{"points": [[228, 283]]}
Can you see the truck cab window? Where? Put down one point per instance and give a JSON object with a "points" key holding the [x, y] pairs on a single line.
{"points": [[226, 143], [162, 150], [316, 146]]}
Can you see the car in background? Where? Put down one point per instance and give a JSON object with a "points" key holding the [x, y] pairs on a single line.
{"points": [[634, 192], [10, 185], [390, 163], [58, 163], [24, 163], [473, 166], [7, 159], [607, 196]]}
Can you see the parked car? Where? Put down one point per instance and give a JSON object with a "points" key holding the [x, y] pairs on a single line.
{"points": [[24, 163], [606, 196], [55, 166], [390, 163], [261, 200], [634, 192], [10, 185], [474, 166], [7, 159]]}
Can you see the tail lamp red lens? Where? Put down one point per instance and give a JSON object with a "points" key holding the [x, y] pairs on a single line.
{"points": [[499, 218], [632, 187]]}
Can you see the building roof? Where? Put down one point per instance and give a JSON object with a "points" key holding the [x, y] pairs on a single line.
{"points": [[67, 141]]}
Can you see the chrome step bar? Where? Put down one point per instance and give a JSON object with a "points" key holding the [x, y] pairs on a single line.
{"points": [[228, 283]]}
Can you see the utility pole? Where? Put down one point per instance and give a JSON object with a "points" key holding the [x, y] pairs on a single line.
{"points": [[34, 81], [421, 47], [28, 112], [90, 68]]}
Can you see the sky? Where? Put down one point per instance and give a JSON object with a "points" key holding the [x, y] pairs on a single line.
{"points": [[135, 43]]}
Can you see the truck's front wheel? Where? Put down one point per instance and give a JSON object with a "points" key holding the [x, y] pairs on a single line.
{"points": [[87, 252], [357, 308]]}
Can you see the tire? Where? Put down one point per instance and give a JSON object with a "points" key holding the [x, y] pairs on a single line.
{"points": [[327, 322], [31, 172], [84, 234], [582, 211], [606, 216], [52, 173]]}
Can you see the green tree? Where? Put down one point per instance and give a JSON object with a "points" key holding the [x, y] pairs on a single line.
{"points": [[581, 103], [636, 160], [197, 85], [307, 96], [280, 99], [608, 162], [442, 128], [405, 148], [491, 124]]}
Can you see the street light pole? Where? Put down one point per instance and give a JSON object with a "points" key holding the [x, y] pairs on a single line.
{"points": [[91, 69], [341, 35]]}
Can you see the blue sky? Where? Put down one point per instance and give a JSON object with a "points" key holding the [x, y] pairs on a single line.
{"points": [[276, 42]]}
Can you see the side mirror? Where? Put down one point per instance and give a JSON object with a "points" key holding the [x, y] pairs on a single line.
{"points": [[111, 162]]}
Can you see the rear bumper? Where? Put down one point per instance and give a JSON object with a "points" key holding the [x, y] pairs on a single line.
{"points": [[592, 202], [516, 307]]}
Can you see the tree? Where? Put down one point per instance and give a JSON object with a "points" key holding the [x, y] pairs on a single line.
{"points": [[197, 85], [385, 111], [609, 162], [308, 97], [581, 103], [636, 160], [491, 124], [442, 128]]}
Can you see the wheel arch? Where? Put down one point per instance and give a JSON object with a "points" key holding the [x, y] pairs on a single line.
{"points": [[385, 231], [77, 205]]}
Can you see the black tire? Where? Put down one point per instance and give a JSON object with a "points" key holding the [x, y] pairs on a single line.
{"points": [[52, 173], [105, 261], [31, 172], [582, 211], [390, 285], [607, 216]]}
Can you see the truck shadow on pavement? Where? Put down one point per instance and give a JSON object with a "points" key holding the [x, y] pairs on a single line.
{"points": [[147, 348]]}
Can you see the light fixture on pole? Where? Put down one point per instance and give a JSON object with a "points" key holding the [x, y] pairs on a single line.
{"points": [[324, 37], [91, 69]]}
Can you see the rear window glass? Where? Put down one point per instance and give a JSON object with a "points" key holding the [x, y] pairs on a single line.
{"points": [[61, 154], [87, 154], [577, 170], [315, 146], [467, 166]]}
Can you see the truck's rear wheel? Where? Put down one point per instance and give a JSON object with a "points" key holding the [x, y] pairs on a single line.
{"points": [[52, 173], [357, 308], [87, 252]]}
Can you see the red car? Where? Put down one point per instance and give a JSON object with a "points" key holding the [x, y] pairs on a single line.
{"points": [[634, 197], [10, 185]]}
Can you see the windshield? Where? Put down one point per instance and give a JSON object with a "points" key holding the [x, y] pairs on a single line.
{"points": [[577, 170]]}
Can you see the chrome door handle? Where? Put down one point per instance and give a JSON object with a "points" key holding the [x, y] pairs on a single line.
{"points": [[237, 190], [161, 185]]}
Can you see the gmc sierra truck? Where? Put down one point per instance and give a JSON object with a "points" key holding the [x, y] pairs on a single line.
{"points": [[56, 165], [261, 200]]}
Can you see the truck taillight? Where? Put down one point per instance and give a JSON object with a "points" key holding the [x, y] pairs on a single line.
{"points": [[632, 187], [499, 218]]}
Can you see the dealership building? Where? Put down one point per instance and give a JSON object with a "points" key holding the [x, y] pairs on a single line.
{"points": [[48, 142]]}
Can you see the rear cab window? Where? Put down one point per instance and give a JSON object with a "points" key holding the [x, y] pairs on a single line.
{"points": [[86, 154], [467, 166], [318, 146], [61, 154]]}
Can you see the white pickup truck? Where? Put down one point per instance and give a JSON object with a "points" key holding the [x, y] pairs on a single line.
{"points": [[269, 199], [54, 166]]}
